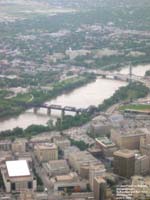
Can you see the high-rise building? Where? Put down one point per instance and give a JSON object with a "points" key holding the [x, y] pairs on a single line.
{"points": [[94, 171], [124, 162], [99, 188]]}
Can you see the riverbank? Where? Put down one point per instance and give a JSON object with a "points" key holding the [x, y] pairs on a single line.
{"points": [[17, 105], [89, 94], [127, 93]]}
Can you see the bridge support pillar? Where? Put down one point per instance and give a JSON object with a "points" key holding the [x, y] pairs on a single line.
{"points": [[62, 113], [35, 110], [49, 111], [77, 112]]}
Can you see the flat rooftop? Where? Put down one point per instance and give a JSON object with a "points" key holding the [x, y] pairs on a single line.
{"points": [[125, 153], [68, 177], [17, 168], [46, 146], [99, 179], [104, 140], [57, 164]]}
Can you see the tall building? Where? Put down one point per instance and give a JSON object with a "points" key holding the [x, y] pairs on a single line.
{"points": [[46, 152], [124, 162], [94, 171], [99, 188]]}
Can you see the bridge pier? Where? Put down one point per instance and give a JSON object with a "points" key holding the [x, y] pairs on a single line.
{"points": [[35, 110], [49, 111], [115, 77], [104, 76], [77, 112], [62, 113]]}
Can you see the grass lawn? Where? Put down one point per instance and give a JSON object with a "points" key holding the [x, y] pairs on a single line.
{"points": [[135, 107]]}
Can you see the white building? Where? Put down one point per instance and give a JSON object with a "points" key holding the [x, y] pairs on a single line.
{"points": [[17, 176]]}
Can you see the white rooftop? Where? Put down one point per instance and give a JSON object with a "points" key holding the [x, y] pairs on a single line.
{"points": [[17, 168]]}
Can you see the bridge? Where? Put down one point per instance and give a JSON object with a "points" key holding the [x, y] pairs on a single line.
{"points": [[63, 109], [117, 76], [125, 77]]}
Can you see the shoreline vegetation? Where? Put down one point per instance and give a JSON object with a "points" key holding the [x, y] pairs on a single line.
{"points": [[128, 93], [18, 104]]}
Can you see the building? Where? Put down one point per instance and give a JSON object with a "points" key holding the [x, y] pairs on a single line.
{"points": [[68, 183], [62, 143], [99, 188], [6, 196], [5, 145], [4, 156], [44, 138], [81, 162], [124, 162], [56, 167], [95, 151], [24, 156], [126, 140], [99, 126], [106, 145], [117, 120], [17, 176], [142, 164], [19, 145], [46, 152], [145, 145], [94, 171], [70, 150], [27, 195]]}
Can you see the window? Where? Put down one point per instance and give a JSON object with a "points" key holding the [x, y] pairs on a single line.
{"points": [[13, 186], [30, 185]]}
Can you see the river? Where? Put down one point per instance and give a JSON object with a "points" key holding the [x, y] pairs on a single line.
{"points": [[91, 94]]}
